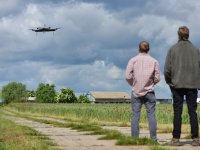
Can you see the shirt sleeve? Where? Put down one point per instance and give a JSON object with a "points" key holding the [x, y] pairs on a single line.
{"points": [[129, 73], [157, 73]]}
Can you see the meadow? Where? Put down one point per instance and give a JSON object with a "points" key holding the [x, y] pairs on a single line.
{"points": [[86, 117], [15, 137], [117, 114]]}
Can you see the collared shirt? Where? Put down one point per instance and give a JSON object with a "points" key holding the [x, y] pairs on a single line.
{"points": [[142, 73]]}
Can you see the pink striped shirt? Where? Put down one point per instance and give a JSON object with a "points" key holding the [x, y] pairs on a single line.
{"points": [[142, 73]]}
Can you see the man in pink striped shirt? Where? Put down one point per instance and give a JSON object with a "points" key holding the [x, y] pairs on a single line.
{"points": [[142, 73]]}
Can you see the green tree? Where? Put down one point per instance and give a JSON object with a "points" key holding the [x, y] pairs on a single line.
{"points": [[14, 92], [66, 95], [45, 93], [83, 99], [31, 93]]}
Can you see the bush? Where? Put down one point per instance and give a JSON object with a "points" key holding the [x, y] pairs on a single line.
{"points": [[83, 99], [31, 93], [14, 92], [45, 93], [66, 95]]}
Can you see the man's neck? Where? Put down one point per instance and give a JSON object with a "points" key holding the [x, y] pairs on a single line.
{"points": [[143, 53]]}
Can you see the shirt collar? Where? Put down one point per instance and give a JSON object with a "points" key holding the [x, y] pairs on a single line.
{"points": [[183, 40], [143, 54]]}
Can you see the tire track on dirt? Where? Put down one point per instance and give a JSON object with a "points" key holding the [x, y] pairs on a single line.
{"points": [[69, 139], [162, 137]]}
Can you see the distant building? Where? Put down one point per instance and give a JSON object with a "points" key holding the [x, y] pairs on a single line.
{"points": [[164, 101], [198, 100], [31, 99], [1, 101], [110, 97], [170, 101]]}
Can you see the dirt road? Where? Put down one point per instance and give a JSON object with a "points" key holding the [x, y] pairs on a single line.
{"points": [[68, 139]]}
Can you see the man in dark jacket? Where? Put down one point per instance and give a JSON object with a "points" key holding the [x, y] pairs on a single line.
{"points": [[182, 74]]}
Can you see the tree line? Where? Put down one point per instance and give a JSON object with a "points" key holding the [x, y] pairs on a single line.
{"points": [[45, 93]]}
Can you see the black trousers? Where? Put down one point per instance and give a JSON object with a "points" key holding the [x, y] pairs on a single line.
{"points": [[191, 99]]}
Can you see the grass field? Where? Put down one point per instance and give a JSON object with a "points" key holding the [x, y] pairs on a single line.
{"points": [[98, 113], [15, 137], [25, 133], [89, 115]]}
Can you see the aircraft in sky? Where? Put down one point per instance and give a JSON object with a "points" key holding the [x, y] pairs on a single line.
{"points": [[44, 29]]}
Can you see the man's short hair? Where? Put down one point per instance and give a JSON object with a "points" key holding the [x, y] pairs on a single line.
{"points": [[183, 33], [145, 48]]}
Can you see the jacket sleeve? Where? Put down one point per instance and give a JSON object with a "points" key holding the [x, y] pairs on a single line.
{"points": [[129, 73], [199, 62], [199, 57], [167, 68], [157, 73]]}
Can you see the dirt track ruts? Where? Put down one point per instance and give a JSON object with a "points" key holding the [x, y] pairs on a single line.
{"points": [[68, 139]]}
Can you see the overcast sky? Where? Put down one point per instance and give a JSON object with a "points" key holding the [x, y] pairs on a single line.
{"points": [[97, 38]]}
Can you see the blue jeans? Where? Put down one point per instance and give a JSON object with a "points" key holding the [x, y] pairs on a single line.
{"points": [[149, 100]]}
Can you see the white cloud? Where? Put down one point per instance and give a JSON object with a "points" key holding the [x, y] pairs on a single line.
{"points": [[114, 73], [94, 44], [98, 75], [8, 6], [157, 28], [162, 89]]}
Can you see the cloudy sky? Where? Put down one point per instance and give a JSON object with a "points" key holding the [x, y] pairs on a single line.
{"points": [[97, 38]]}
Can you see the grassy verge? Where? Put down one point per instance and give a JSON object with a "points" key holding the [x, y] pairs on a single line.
{"points": [[15, 137], [94, 129], [159, 148], [106, 134]]}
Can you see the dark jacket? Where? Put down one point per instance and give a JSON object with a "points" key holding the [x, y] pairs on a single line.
{"points": [[182, 66]]}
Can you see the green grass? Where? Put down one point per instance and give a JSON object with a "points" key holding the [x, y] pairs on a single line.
{"points": [[89, 117], [116, 114], [15, 137], [93, 129], [107, 134], [128, 140], [187, 136], [159, 148], [111, 134]]}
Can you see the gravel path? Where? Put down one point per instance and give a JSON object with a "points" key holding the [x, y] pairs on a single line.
{"points": [[68, 139]]}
